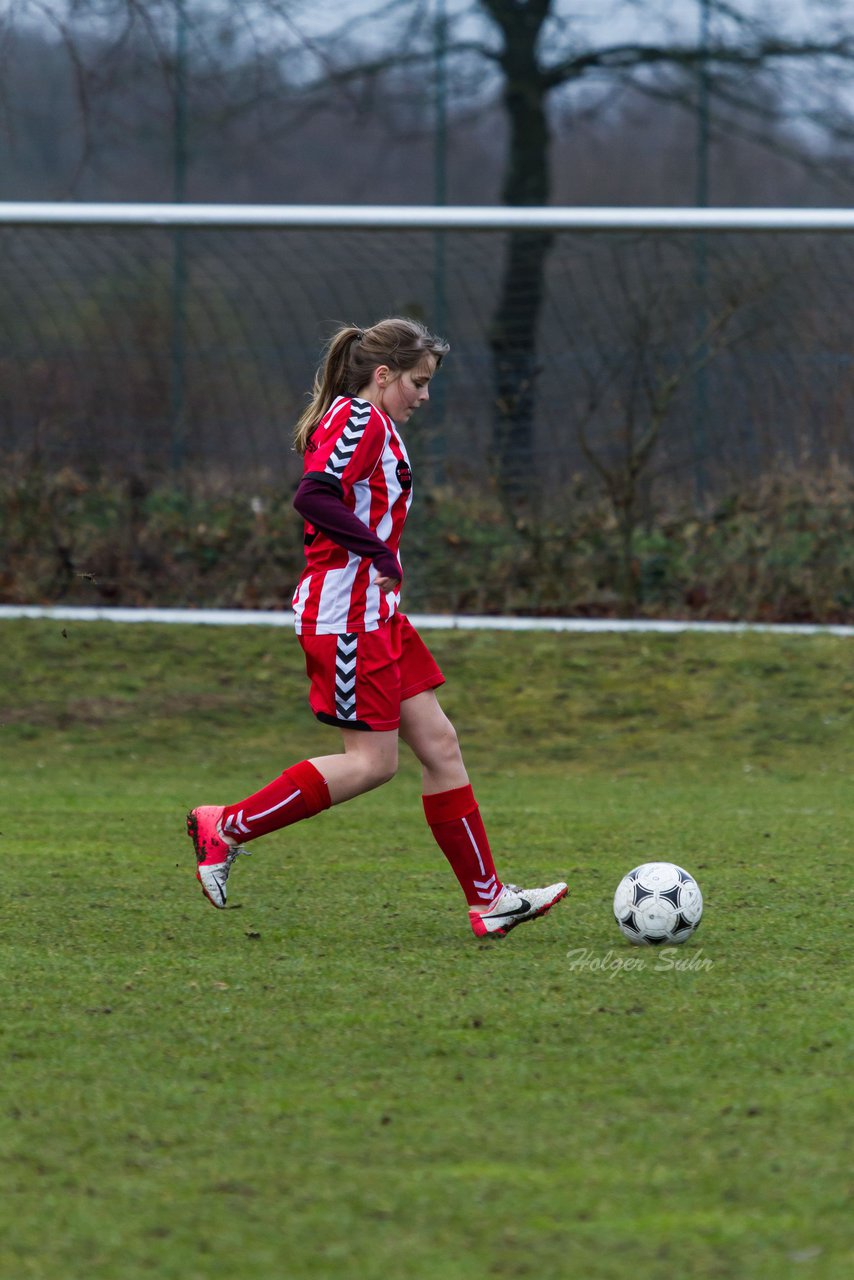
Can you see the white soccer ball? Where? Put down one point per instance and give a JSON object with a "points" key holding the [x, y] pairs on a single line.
{"points": [[658, 902]]}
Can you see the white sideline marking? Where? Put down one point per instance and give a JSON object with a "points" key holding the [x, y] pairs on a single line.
{"points": [[423, 621]]}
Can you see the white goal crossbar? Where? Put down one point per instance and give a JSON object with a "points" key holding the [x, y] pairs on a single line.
{"points": [[422, 217]]}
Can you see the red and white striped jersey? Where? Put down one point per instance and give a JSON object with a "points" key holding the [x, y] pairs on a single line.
{"points": [[356, 449]]}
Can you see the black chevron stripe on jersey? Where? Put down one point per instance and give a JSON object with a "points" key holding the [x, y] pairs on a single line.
{"points": [[345, 676], [350, 437]]}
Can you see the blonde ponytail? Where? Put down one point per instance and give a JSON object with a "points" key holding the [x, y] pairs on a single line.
{"points": [[352, 354], [329, 381]]}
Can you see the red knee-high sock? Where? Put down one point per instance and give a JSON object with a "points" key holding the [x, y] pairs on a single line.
{"points": [[299, 793], [457, 827]]}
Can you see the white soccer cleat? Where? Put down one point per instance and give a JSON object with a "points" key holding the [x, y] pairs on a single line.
{"points": [[214, 852], [514, 906]]}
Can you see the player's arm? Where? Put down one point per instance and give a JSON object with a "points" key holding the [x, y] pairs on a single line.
{"points": [[319, 500]]}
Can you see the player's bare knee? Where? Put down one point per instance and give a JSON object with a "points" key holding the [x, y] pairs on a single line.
{"points": [[445, 746], [385, 775], [381, 769]]}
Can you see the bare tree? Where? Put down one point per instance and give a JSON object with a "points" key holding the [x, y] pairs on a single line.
{"points": [[538, 58], [761, 73], [634, 387], [290, 59]]}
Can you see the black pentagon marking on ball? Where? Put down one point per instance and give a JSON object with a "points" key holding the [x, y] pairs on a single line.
{"points": [[640, 893], [629, 922], [672, 895], [681, 924], [684, 878], [655, 939]]}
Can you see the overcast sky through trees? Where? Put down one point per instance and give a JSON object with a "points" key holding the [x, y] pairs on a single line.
{"points": [[273, 110]]}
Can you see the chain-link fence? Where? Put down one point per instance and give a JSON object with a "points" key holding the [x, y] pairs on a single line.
{"points": [[693, 357]]}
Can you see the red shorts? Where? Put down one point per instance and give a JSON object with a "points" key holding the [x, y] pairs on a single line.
{"points": [[359, 680]]}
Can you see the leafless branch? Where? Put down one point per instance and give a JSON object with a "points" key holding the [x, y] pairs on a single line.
{"points": [[633, 57]]}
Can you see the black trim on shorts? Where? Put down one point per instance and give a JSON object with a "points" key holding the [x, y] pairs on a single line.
{"points": [[325, 718]]}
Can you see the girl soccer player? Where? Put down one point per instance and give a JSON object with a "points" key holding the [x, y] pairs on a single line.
{"points": [[371, 674]]}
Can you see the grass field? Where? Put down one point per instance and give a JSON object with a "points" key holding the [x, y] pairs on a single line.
{"points": [[334, 1078]]}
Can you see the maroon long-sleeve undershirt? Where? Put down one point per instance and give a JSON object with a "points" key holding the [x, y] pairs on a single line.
{"points": [[320, 503]]}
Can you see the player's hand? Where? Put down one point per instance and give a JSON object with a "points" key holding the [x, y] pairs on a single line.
{"points": [[387, 584]]}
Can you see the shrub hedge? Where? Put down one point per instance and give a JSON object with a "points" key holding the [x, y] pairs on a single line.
{"points": [[780, 549]]}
